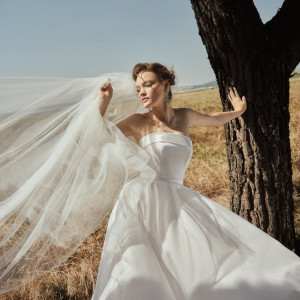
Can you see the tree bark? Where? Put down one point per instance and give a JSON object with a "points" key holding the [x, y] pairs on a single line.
{"points": [[257, 59]]}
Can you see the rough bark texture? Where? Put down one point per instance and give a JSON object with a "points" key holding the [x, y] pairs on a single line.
{"points": [[258, 60]]}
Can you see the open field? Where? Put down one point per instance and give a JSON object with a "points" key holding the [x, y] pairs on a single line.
{"points": [[207, 173]]}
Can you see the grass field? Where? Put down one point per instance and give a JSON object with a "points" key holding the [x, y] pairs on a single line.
{"points": [[207, 173]]}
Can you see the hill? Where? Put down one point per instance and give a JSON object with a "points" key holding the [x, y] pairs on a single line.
{"points": [[187, 88]]}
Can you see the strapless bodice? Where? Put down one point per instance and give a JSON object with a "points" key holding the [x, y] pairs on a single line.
{"points": [[170, 154]]}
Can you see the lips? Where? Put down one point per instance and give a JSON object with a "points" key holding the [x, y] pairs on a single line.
{"points": [[145, 99]]}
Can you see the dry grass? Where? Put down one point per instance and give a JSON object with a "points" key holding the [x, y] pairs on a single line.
{"points": [[207, 173], [295, 146]]}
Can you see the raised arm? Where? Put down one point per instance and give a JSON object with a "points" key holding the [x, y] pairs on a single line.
{"points": [[196, 119], [105, 94]]}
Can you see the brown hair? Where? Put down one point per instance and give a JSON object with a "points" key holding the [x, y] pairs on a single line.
{"points": [[162, 72]]}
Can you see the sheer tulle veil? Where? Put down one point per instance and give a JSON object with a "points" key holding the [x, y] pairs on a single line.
{"points": [[62, 167]]}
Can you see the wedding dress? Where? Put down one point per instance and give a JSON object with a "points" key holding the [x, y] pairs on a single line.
{"points": [[64, 167], [166, 241]]}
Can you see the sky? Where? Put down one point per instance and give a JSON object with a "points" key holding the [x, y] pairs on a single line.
{"points": [[77, 38]]}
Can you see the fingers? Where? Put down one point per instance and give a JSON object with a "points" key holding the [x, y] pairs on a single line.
{"points": [[234, 97], [230, 94], [106, 85], [233, 92]]}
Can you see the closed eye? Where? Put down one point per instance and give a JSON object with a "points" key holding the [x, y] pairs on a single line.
{"points": [[146, 84]]}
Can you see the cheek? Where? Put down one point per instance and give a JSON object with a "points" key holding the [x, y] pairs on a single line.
{"points": [[157, 94]]}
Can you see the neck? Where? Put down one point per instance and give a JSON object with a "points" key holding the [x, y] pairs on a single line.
{"points": [[164, 113]]}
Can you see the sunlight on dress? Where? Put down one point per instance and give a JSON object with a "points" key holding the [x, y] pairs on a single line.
{"points": [[63, 168]]}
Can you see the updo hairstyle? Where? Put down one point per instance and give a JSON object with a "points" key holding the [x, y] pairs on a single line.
{"points": [[162, 73]]}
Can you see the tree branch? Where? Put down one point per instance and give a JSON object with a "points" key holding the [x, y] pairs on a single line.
{"points": [[241, 15], [284, 30], [234, 37]]}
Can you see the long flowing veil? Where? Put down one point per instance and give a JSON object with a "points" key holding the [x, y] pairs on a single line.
{"points": [[62, 167]]}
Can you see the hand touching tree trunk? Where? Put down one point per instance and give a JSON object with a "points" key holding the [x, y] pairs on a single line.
{"points": [[258, 60]]}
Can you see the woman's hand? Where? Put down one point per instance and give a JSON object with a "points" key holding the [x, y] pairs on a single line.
{"points": [[239, 105], [106, 92]]}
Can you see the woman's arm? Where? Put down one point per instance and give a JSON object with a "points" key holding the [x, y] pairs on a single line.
{"points": [[196, 119], [105, 94]]}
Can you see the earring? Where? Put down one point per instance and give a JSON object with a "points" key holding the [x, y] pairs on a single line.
{"points": [[167, 99]]}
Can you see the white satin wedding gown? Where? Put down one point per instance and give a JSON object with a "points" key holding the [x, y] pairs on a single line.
{"points": [[63, 168], [165, 241]]}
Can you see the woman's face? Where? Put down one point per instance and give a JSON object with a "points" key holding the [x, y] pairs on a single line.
{"points": [[150, 90]]}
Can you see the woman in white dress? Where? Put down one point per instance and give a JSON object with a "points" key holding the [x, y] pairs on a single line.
{"points": [[166, 241], [64, 166]]}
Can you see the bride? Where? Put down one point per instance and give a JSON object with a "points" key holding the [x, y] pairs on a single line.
{"points": [[163, 240]]}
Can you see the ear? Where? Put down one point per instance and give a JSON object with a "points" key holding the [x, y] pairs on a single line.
{"points": [[167, 86]]}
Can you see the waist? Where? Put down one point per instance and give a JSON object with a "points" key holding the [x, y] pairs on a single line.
{"points": [[169, 179]]}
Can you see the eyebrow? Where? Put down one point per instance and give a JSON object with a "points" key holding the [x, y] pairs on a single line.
{"points": [[140, 78], [145, 81]]}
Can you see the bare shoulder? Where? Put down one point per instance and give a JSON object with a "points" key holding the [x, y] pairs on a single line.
{"points": [[193, 118], [128, 125], [184, 113], [136, 118]]}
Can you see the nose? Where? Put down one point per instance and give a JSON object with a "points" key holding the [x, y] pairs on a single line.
{"points": [[142, 92]]}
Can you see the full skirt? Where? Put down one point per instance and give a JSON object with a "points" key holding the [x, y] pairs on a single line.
{"points": [[166, 241]]}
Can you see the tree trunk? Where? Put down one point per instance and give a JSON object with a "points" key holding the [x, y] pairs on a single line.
{"points": [[257, 59]]}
